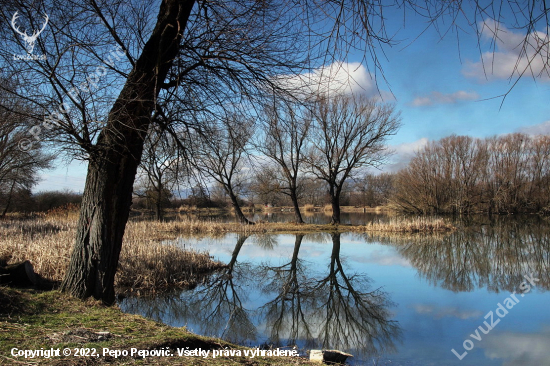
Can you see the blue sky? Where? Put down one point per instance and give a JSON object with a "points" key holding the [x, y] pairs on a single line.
{"points": [[439, 87]]}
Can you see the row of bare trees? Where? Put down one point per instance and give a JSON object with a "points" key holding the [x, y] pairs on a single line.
{"points": [[330, 141], [461, 174], [179, 63], [19, 161], [326, 140]]}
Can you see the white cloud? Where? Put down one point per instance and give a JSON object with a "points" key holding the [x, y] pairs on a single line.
{"points": [[383, 258], [403, 153], [539, 129], [338, 77], [410, 148], [440, 98], [519, 348], [446, 311], [514, 54]]}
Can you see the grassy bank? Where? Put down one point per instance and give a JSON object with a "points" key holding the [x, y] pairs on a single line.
{"points": [[31, 320], [395, 225], [148, 265], [145, 263]]}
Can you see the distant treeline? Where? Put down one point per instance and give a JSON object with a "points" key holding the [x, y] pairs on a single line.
{"points": [[457, 174], [461, 174], [23, 200]]}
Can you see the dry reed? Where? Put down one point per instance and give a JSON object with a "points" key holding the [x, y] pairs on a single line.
{"points": [[411, 225], [308, 208], [145, 263], [149, 265], [187, 208]]}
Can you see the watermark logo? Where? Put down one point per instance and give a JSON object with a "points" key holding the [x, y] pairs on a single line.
{"points": [[501, 311], [30, 40]]}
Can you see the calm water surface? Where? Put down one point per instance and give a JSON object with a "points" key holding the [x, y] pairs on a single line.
{"points": [[389, 299]]}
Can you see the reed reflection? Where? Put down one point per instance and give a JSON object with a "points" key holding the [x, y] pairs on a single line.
{"points": [[495, 255]]}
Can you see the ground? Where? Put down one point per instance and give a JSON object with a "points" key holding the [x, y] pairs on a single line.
{"points": [[34, 320]]}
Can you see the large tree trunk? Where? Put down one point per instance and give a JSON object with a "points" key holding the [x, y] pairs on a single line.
{"points": [[238, 212], [158, 208], [335, 203], [112, 166], [297, 213]]}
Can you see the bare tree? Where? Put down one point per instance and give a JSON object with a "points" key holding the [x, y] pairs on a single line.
{"points": [[266, 184], [219, 155], [19, 161], [285, 140], [198, 55], [373, 189], [112, 68], [539, 173], [349, 133], [160, 170]]}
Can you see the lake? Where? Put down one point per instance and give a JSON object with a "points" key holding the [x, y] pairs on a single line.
{"points": [[387, 299]]}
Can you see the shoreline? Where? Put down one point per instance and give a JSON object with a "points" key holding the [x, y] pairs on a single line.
{"points": [[50, 320]]}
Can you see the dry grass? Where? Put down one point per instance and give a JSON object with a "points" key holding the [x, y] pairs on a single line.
{"points": [[187, 208], [308, 208], [411, 225], [327, 208], [365, 209], [190, 226], [46, 242], [193, 227], [68, 211], [145, 263], [148, 265]]}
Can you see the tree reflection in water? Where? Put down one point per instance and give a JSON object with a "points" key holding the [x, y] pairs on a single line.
{"points": [[216, 307], [303, 306], [331, 310], [496, 255]]}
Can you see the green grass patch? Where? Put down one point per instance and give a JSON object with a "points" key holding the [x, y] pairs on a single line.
{"points": [[34, 320]]}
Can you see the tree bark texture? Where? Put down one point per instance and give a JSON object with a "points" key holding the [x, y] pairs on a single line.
{"points": [[113, 164]]}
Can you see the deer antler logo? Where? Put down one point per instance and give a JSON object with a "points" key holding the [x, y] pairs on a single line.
{"points": [[29, 39]]}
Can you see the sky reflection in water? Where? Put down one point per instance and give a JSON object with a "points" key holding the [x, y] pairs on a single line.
{"points": [[398, 300]]}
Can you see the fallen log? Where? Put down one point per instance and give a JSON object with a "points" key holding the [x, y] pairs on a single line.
{"points": [[19, 275], [333, 356]]}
